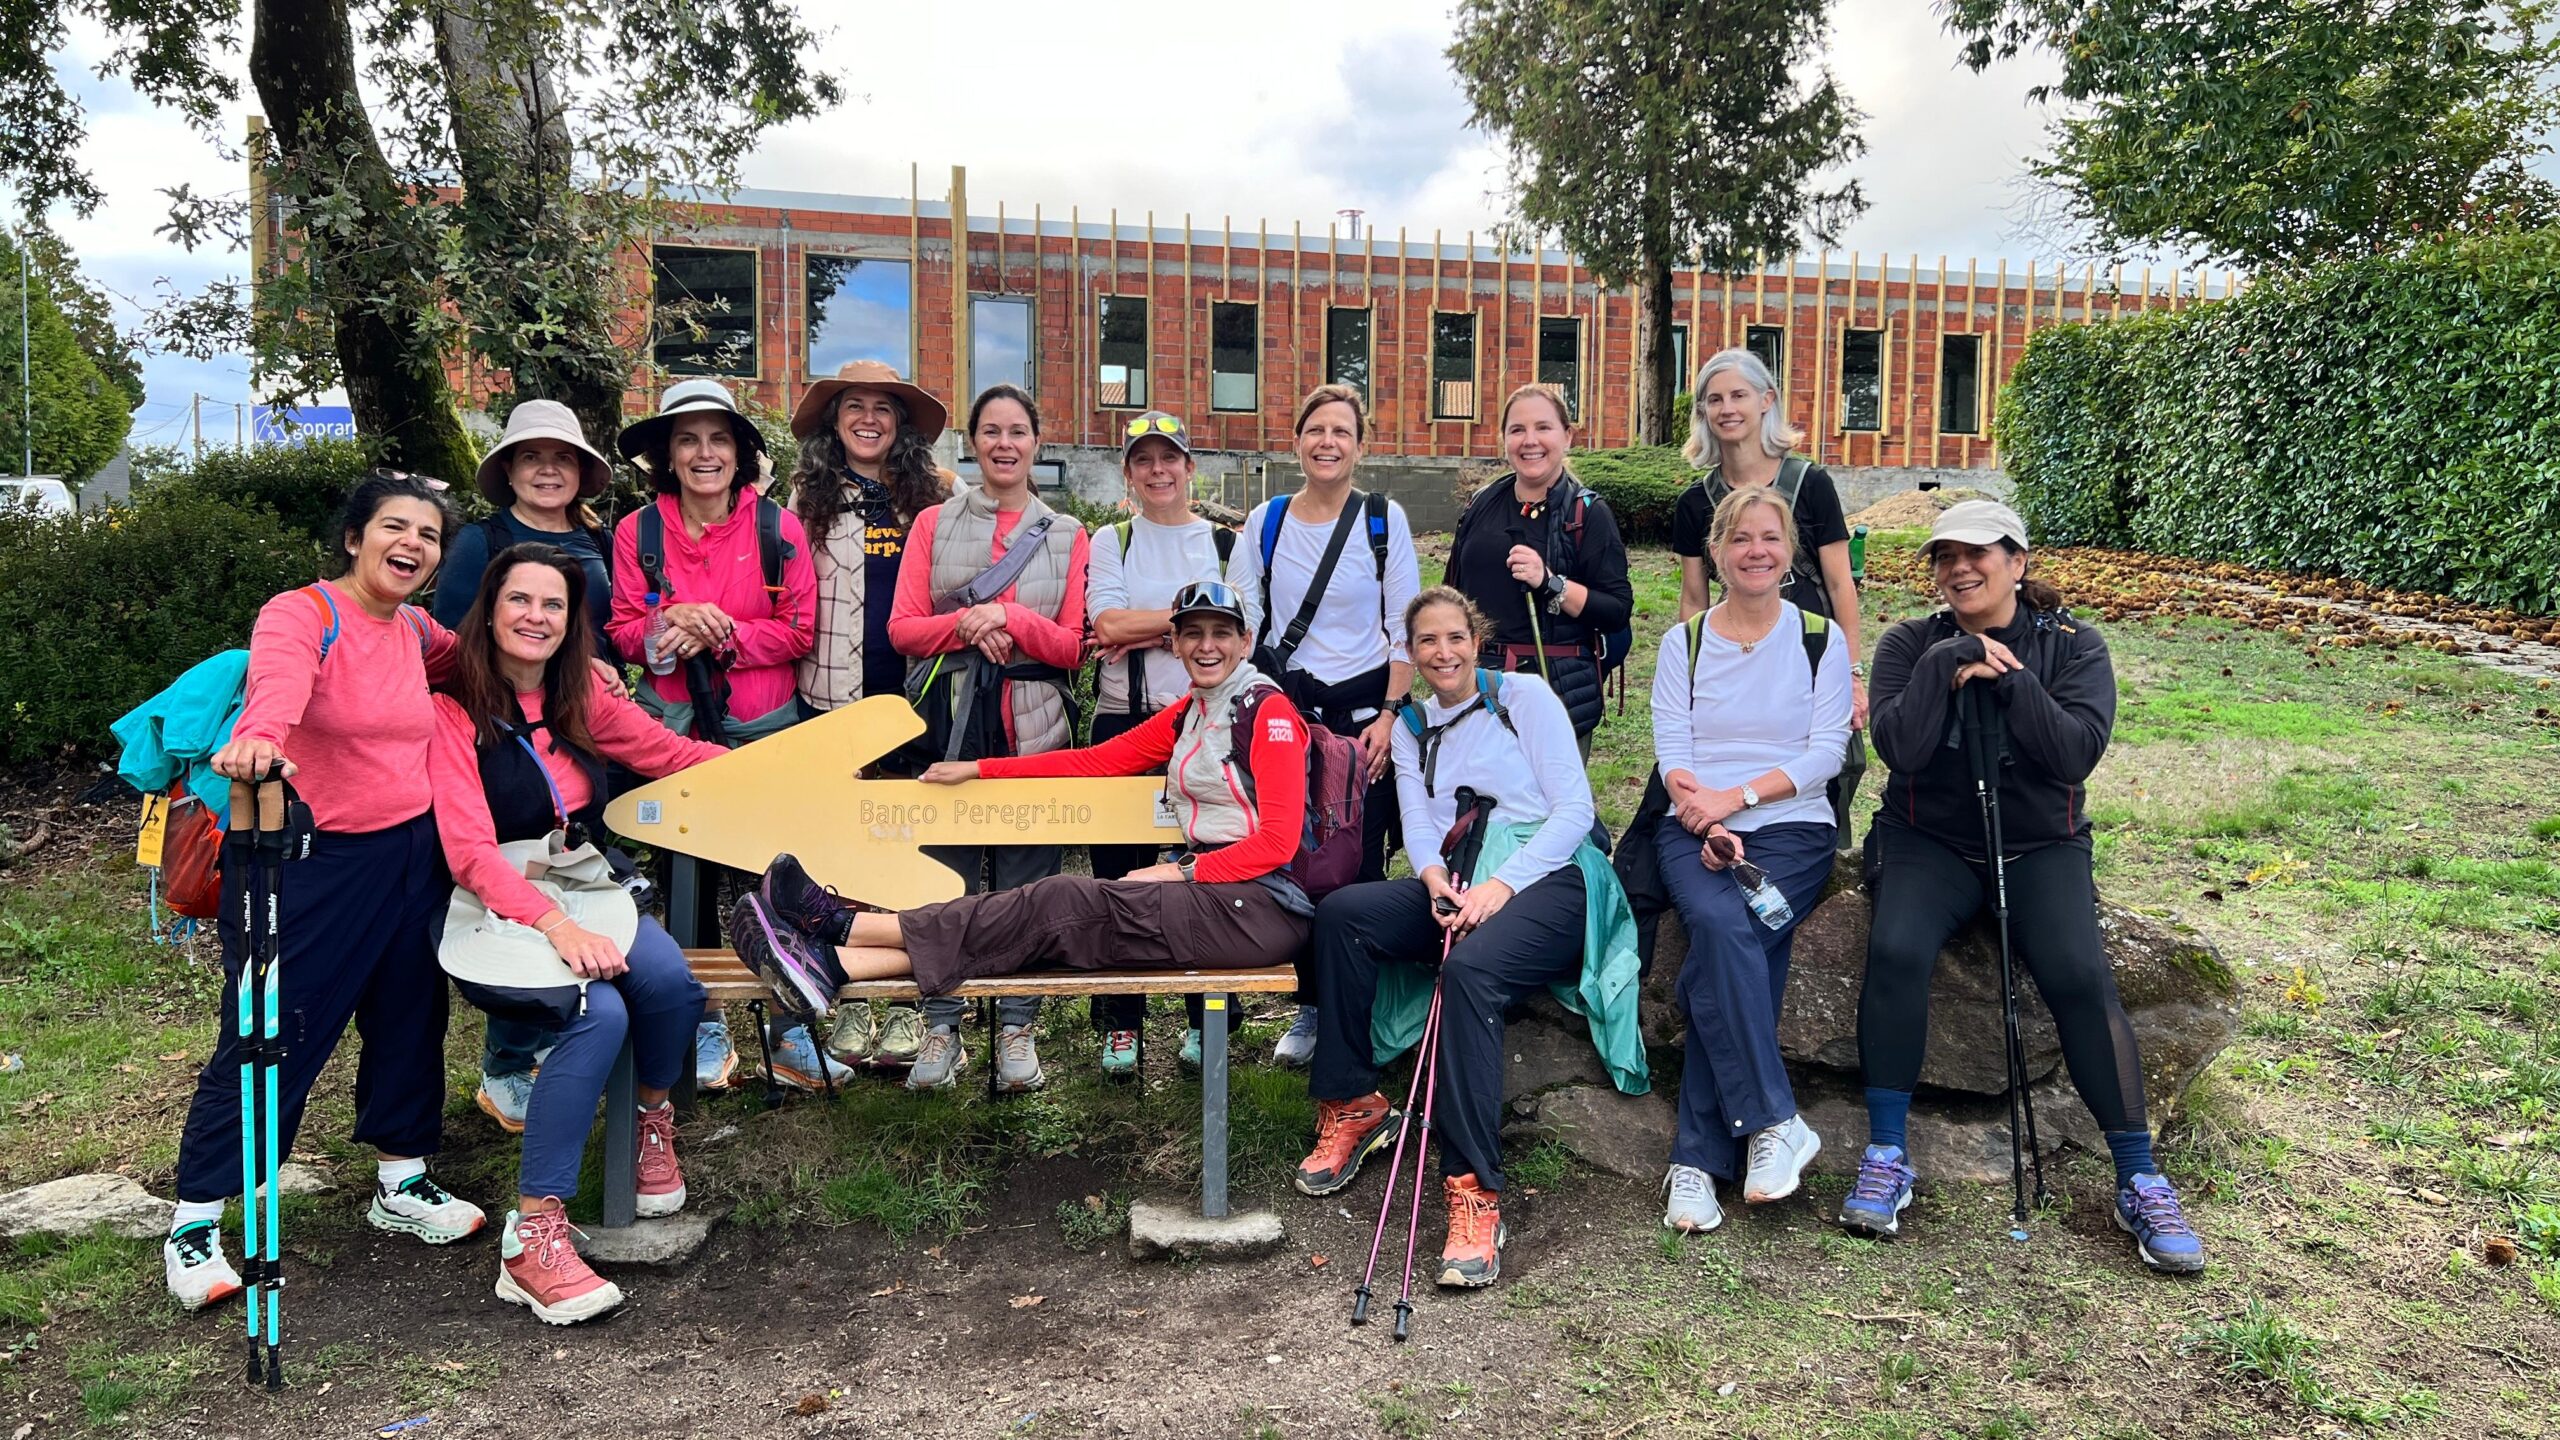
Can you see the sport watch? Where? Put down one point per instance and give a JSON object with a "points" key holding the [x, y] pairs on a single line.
{"points": [[1186, 865]]}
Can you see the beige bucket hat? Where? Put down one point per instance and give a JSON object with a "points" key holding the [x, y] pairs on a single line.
{"points": [[930, 416], [542, 420]]}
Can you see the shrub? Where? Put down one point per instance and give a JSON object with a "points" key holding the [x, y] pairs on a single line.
{"points": [[2391, 420], [301, 484], [104, 609], [1642, 484]]}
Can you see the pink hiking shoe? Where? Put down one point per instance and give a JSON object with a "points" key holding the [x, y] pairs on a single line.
{"points": [[539, 1268], [661, 1179]]}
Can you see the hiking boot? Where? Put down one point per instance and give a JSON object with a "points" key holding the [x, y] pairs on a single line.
{"points": [[793, 1059], [1778, 1157], [1347, 1132], [539, 1268], [1017, 1061], [939, 1060], [1120, 1055], [503, 1098], [661, 1179], [901, 1036], [2147, 1209], [1472, 1255], [1880, 1194], [802, 975], [856, 1034], [1692, 1207], [1191, 1043], [715, 1059], [814, 910], [192, 1259], [1298, 1046], [421, 1207]]}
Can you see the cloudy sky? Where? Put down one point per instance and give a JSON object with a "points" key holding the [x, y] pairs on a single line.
{"points": [[1174, 106]]}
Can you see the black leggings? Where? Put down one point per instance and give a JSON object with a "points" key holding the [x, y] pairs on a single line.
{"points": [[1924, 892]]}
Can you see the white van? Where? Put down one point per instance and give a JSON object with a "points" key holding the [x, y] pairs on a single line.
{"points": [[44, 493]]}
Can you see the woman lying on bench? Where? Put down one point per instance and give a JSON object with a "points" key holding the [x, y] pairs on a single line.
{"points": [[1237, 780]]}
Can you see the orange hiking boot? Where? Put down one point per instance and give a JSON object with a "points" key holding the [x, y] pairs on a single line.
{"points": [[1347, 1132], [1472, 1255]]}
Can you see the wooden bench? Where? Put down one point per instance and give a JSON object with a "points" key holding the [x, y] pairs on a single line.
{"points": [[729, 981]]}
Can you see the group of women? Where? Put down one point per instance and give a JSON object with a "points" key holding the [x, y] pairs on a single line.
{"points": [[437, 752]]}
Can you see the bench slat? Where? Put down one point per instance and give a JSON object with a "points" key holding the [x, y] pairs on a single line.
{"points": [[727, 978]]}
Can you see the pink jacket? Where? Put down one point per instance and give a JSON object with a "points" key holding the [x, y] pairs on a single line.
{"points": [[723, 569], [355, 728]]}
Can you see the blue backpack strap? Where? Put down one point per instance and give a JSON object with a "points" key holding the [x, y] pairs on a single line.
{"points": [[652, 538], [417, 627], [1376, 504], [1489, 687], [770, 546], [1274, 511], [319, 594]]}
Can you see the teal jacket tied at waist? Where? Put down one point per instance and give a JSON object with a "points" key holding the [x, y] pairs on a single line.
{"points": [[173, 734], [1604, 994]]}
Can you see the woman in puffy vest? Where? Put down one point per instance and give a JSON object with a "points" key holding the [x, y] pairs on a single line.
{"points": [[521, 738], [992, 673], [1234, 754], [1541, 557]]}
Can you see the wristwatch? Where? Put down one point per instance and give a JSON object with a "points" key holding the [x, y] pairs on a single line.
{"points": [[1553, 589], [1186, 865], [1750, 798], [1858, 669]]}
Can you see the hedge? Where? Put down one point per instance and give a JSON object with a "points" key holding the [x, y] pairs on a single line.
{"points": [[2392, 420], [301, 484], [1641, 483], [104, 609]]}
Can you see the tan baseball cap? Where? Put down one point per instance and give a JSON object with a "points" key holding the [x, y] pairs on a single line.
{"points": [[1977, 522]]}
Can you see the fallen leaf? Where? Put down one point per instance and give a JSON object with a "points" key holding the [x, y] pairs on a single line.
{"points": [[892, 1288], [2432, 1197], [174, 1057], [2499, 1250], [1025, 1302], [2515, 1139], [1317, 1261], [812, 1403]]}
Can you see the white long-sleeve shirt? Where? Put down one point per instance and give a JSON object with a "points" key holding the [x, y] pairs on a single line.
{"points": [[1161, 560], [1536, 775], [1354, 630], [1753, 711]]}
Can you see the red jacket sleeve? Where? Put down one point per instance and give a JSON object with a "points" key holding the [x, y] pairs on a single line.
{"points": [[1278, 762], [463, 826], [1132, 752], [1055, 639], [913, 627]]}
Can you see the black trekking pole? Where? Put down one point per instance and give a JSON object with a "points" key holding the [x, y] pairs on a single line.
{"points": [[1982, 743], [1994, 744]]}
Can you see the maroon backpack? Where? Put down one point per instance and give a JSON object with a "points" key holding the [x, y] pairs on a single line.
{"points": [[1328, 855]]}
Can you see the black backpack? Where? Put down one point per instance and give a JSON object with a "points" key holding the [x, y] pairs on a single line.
{"points": [[771, 548], [1804, 584]]}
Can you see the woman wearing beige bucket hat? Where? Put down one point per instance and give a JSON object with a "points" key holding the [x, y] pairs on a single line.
{"points": [[541, 476]]}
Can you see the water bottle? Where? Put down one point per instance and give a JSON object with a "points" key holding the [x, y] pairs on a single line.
{"points": [[1763, 895], [1858, 554], [660, 662]]}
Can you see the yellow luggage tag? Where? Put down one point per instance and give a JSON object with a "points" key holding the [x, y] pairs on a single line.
{"points": [[155, 831]]}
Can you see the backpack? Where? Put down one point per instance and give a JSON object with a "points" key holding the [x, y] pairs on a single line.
{"points": [[1817, 641], [1608, 651], [1225, 541], [771, 548], [1374, 507], [1329, 850], [1489, 695], [1803, 584]]}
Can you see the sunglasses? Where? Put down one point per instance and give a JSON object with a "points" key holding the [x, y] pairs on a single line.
{"points": [[1207, 595], [1146, 425], [385, 472]]}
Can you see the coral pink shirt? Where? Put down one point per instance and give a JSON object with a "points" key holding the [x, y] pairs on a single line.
{"points": [[621, 730], [355, 728], [722, 568], [916, 630]]}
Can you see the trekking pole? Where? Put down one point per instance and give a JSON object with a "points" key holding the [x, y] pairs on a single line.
{"points": [[1395, 1165], [261, 855], [1984, 752], [2008, 981], [240, 851], [272, 806], [1427, 1060], [1529, 598]]}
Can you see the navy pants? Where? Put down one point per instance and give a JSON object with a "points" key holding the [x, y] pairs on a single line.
{"points": [[656, 1003], [512, 1047], [353, 921], [1531, 943], [1734, 984], [993, 867]]}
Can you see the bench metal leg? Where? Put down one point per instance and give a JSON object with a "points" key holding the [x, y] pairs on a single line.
{"points": [[684, 902], [621, 1142], [1213, 1107]]}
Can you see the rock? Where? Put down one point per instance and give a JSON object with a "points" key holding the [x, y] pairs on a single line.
{"points": [[1550, 1047], [1161, 1228], [1952, 1137], [79, 1204], [296, 1178], [665, 1240], [1629, 1136]]}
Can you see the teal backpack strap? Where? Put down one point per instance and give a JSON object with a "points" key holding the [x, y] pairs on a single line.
{"points": [[1411, 715], [1489, 689]]}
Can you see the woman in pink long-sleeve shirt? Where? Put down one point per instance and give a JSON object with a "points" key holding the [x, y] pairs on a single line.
{"points": [[1019, 651], [521, 740], [337, 698]]}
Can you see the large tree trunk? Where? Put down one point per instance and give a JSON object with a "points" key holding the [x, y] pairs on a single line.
{"points": [[1655, 384], [512, 138], [302, 59]]}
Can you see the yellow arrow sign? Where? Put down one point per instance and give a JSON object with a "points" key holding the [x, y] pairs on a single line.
{"points": [[802, 791]]}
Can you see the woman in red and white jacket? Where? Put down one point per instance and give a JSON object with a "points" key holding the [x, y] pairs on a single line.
{"points": [[1227, 903], [521, 738]]}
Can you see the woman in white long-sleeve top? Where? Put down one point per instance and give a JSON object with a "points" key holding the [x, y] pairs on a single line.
{"points": [[1751, 707], [1544, 911]]}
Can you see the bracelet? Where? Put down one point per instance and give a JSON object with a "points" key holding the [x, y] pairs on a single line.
{"points": [[545, 931]]}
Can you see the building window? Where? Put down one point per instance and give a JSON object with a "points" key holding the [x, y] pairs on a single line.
{"points": [[859, 310], [1960, 385], [1122, 372], [1000, 342], [1347, 349], [1560, 362], [1681, 379], [704, 322], [1235, 361], [1453, 365], [1769, 342], [1862, 380]]}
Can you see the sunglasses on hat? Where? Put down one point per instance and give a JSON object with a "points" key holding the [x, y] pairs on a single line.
{"points": [[1146, 425]]}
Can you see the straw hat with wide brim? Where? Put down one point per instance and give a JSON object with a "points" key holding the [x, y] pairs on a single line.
{"points": [[690, 398], [928, 415], [542, 420]]}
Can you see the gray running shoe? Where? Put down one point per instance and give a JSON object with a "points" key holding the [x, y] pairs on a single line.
{"points": [[939, 1060], [856, 1034], [1017, 1061], [901, 1036], [1298, 1046]]}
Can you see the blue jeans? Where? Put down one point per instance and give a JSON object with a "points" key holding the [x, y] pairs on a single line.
{"points": [[1732, 985], [656, 1003]]}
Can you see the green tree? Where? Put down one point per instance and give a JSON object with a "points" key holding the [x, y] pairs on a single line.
{"points": [[568, 125], [1657, 133], [81, 414], [2278, 132]]}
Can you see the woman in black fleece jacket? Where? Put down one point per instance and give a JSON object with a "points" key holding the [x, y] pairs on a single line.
{"points": [[2003, 654]]}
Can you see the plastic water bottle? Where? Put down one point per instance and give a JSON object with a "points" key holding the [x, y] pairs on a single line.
{"points": [[1763, 895], [654, 643], [1858, 554]]}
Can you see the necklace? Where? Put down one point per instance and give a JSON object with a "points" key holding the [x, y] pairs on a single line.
{"points": [[1721, 621]]}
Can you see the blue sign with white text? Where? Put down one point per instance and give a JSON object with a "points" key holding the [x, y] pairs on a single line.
{"points": [[282, 425]]}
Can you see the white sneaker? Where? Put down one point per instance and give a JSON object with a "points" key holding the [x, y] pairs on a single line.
{"points": [[198, 1275], [425, 1209], [1298, 1046], [1778, 1157], [1693, 1206]]}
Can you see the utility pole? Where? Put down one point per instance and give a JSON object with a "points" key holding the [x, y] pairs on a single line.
{"points": [[239, 426], [195, 403], [26, 371]]}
